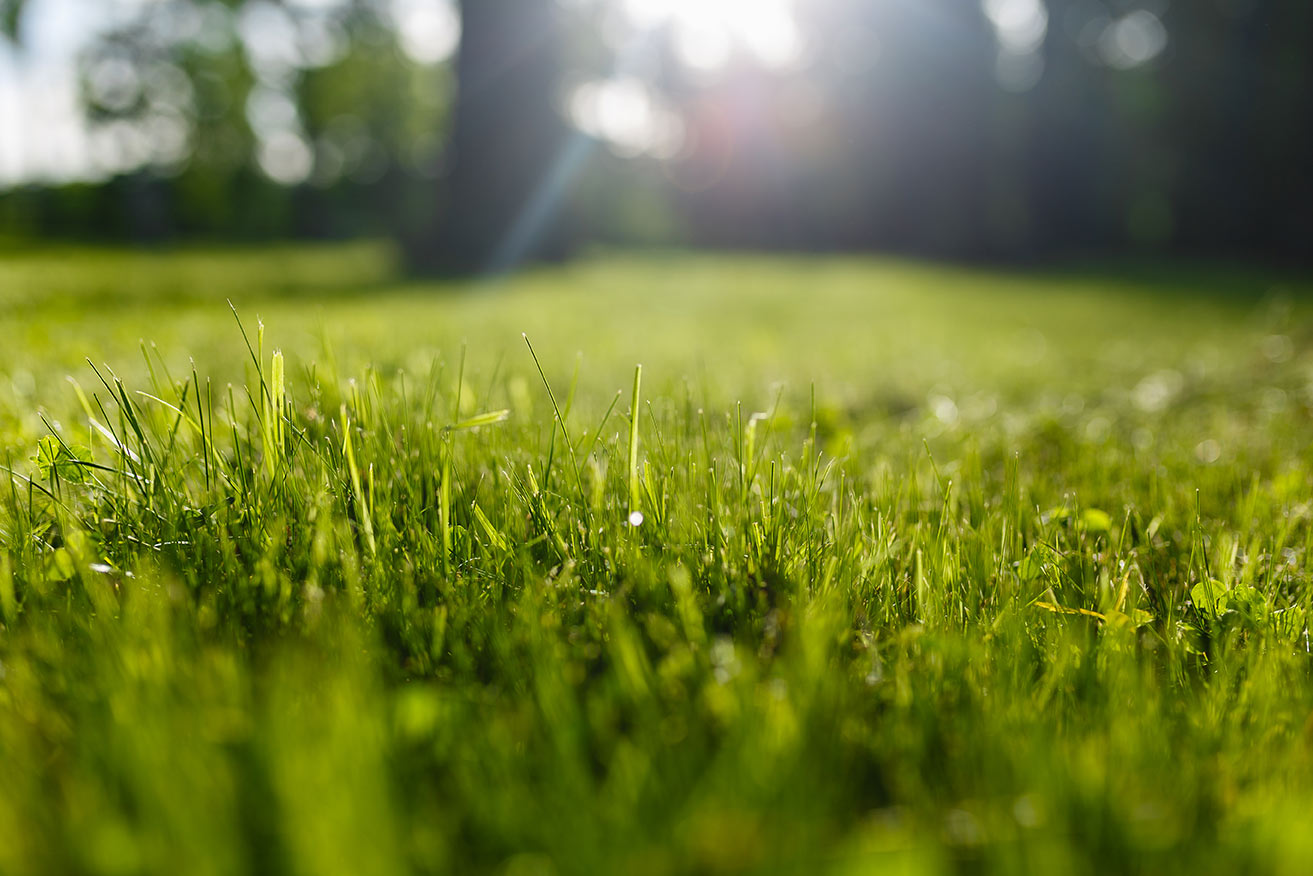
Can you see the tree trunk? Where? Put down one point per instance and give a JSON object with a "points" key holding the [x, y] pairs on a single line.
{"points": [[506, 137]]}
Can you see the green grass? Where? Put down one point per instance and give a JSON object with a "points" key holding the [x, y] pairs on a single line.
{"points": [[938, 570]]}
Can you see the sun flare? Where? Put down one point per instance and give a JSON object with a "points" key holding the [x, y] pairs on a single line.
{"points": [[709, 33]]}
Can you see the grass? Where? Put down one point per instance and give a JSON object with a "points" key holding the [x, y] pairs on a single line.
{"points": [[937, 570]]}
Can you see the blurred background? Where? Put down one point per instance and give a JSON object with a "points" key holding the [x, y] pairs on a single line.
{"points": [[484, 133]]}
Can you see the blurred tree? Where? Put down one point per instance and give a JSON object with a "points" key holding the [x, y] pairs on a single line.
{"points": [[507, 137], [928, 132], [254, 118], [1238, 121], [1067, 146], [999, 128]]}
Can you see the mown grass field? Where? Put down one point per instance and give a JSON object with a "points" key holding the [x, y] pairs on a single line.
{"points": [[938, 570]]}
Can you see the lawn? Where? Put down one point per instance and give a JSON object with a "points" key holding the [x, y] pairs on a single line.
{"points": [[880, 567]]}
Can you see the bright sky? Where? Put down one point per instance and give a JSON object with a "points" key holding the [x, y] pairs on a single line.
{"points": [[41, 132]]}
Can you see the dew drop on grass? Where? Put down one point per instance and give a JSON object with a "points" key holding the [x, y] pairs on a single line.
{"points": [[636, 518]]}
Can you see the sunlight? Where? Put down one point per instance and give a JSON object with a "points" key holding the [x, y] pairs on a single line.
{"points": [[709, 33], [624, 113]]}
